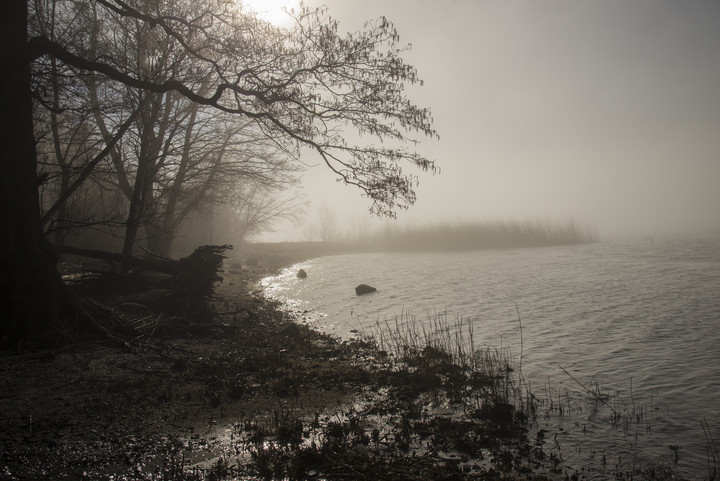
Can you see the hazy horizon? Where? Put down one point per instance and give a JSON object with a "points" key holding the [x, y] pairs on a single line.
{"points": [[604, 113]]}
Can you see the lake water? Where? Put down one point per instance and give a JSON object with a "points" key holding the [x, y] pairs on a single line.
{"points": [[640, 321]]}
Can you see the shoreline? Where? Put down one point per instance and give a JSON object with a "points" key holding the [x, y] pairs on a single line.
{"points": [[100, 409], [251, 393]]}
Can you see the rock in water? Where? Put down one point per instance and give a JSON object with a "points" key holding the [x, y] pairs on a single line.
{"points": [[364, 289], [302, 274]]}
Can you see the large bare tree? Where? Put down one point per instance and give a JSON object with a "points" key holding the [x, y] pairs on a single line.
{"points": [[177, 158], [307, 86]]}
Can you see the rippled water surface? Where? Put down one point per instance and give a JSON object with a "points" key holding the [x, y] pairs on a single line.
{"points": [[639, 320]]}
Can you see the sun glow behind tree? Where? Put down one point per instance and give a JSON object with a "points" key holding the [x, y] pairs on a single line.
{"points": [[272, 11]]}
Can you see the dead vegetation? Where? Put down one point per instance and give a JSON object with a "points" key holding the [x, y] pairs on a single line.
{"points": [[237, 389], [100, 410]]}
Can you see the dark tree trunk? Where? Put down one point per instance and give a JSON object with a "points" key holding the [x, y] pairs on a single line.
{"points": [[32, 292], [141, 200], [134, 212]]}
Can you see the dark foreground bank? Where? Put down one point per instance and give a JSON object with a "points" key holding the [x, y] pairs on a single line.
{"points": [[241, 391]]}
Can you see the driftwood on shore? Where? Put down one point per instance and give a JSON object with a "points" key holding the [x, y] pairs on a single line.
{"points": [[160, 264], [194, 274]]}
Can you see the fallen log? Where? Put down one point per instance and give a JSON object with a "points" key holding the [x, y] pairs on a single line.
{"points": [[166, 266], [195, 274]]}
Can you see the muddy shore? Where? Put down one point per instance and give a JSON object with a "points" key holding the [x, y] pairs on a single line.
{"points": [[245, 392], [96, 410]]}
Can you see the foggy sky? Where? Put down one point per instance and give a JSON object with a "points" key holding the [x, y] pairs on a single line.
{"points": [[606, 112]]}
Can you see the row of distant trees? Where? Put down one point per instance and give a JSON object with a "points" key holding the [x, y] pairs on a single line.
{"points": [[446, 235], [119, 160], [467, 235]]}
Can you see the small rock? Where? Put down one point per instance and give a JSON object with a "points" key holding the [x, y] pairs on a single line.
{"points": [[364, 289], [302, 274]]}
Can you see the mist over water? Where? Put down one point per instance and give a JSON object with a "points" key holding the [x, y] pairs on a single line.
{"points": [[639, 321]]}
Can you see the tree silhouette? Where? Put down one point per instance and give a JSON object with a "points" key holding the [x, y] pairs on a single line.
{"points": [[306, 86]]}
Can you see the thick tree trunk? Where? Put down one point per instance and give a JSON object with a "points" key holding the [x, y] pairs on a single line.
{"points": [[137, 205], [134, 212], [142, 197], [32, 292]]}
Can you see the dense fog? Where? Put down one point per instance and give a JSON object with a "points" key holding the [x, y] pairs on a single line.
{"points": [[605, 113]]}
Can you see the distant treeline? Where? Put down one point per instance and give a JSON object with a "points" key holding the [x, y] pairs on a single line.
{"points": [[473, 235]]}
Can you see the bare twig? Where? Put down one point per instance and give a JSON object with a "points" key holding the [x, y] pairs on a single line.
{"points": [[589, 391]]}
